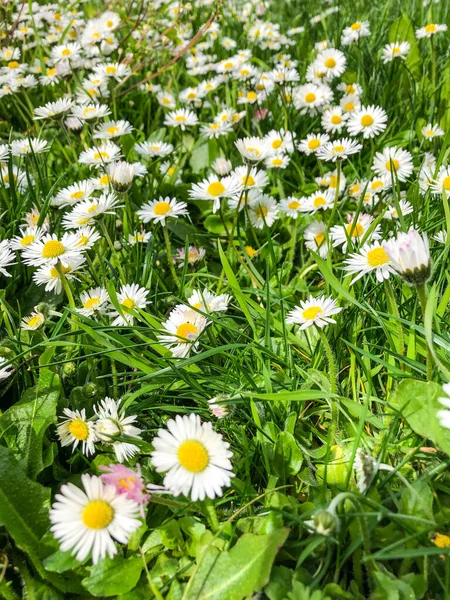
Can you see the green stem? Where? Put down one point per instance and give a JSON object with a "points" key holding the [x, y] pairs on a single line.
{"points": [[66, 285], [393, 307], [169, 256], [209, 511], [151, 583], [333, 381], [423, 301], [113, 250], [336, 196], [291, 251]]}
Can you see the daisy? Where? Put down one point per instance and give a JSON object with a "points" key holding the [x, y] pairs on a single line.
{"points": [[194, 457], [127, 481], [430, 30], [121, 174], [349, 103], [371, 257], [253, 149], [86, 211], [355, 32], [28, 146], [311, 96], [222, 166], [393, 161], [206, 301], [251, 178], [33, 217], [318, 201], [263, 211], [70, 51], [181, 118], [113, 70], [368, 120], [409, 254], [131, 297], [166, 100], [281, 141], [194, 255], [334, 119], [101, 155], [215, 130], [431, 131], [441, 237], [314, 311], [379, 184], [77, 192], [392, 212], [76, 429], [49, 250], [182, 330], [291, 206], [139, 237], [5, 372], [90, 112], [53, 110], [94, 301], [339, 149], [112, 422], [215, 188], [331, 62], [50, 277], [112, 129], [350, 88], [7, 257], [89, 520], [87, 236], [26, 237], [161, 209], [32, 322], [313, 142], [315, 238], [442, 181], [277, 161], [152, 149], [395, 50], [355, 230]]}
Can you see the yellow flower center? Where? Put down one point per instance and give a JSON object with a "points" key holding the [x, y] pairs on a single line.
{"points": [[92, 302], [97, 514], [366, 120], [170, 171], [27, 240], [446, 183], [330, 63], [319, 238], [79, 429], [13, 64], [51, 72], [52, 249], [319, 201], [110, 70], [34, 321], [250, 251], [350, 89], [99, 155], [193, 456], [336, 119], [349, 106], [77, 195], [248, 181], [125, 483], [112, 130], [294, 205], [128, 303], [66, 52], [228, 65], [180, 118], [276, 144], [244, 72], [313, 144], [312, 313], [104, 180], [338, 148], [192, 95], [161, 208], [252, 96], [377, 184], [277, 162], [395, 50], [377, 257], [261, 212], [392, 164], [430, 28], [216, 188], [109, 23], [187, 331], [442, 541], [354, 230], [356, 26], [310, 97]]}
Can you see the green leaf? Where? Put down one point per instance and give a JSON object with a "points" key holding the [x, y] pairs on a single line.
{"points": [[24, 424], [418, 402], [60, 562], [113, 576], [238, 573], [417, 501], [287, 456], [387, 587], [213, 223]]}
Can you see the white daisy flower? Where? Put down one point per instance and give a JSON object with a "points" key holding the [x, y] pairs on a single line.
{"points": [[313, 142], [139, 237], [181, 118], [7, 257], [112, 422], [277, 161], [393, 161], [113, 70], [215, 130], [318, 201], [215, 188], [182, 330], [76, 429], [130, 297], [334, 119], [85, 212], [263, 211], [314, 311], [410, 255], [94, 301], [112, 129], [315, 238], [32, 322], [28, 146], [441, 183], [339, 149], [152, 149], [331, 62], [441, 237], [87, 236], [392, 212], [7, 371], [350, 88], [194, 457], [354, 231], [49, 276], [291, 206], [253, 149], [430, 30], [77, 192], [355, 32], [222, 166], [350, 103], [50, 250], [70, 51], [103, 154], [166, 100], [89, 112], [311, 96], [371, 257], [161, 209], [208, 302], [368, 120], [32, 219], [26, 237], [395, 50], [89, 520], [122, 173], [431, 131]]}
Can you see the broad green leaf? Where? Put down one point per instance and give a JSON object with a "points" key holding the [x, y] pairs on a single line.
{"points": [[417, 501], [388, 587], [238, 573], [287, 457], [418, 402], [110, 577], [24, 424], [213, 223]]}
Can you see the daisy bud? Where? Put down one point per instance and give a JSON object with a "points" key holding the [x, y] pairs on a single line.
{"points": [[117, 246], [89, 390], [365, 468], [121, 176], [43, 308], [69, 369], [217, 408], [324, 523], [410, 256]]}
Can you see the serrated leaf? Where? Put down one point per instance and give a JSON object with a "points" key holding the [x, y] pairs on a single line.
{"points": [[238, 573]]}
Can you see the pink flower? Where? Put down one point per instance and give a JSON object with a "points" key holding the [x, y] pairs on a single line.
{"points": [[126, 481], [261, 114]]}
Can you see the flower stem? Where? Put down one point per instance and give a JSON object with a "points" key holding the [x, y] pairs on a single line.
{"points": [[423, 301], [169, 256], [66, 285], [209, 511], [113, 250], [336, 196], [333, 382], [392, 303]]}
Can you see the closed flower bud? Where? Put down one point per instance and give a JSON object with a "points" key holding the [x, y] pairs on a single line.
{"points": [[89, 390], [117, 246], [69, 369], [121, 176], [324, 523], [43, 308], [409, 254]]}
